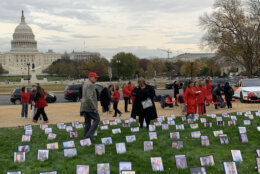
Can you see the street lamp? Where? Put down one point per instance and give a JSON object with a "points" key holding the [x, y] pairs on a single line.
{"points": [[118, 62], [28, 64]]}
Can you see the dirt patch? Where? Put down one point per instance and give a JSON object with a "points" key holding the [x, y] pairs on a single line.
{"points": [[10, 116]]}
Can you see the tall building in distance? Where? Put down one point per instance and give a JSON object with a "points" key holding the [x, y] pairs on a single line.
{"points": [[83, 55], [24, 52]]}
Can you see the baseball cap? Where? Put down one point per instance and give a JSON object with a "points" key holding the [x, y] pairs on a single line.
{"points": [[93, 74]]}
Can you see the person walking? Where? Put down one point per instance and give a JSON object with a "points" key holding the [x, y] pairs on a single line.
{"points": [[130, 88], [190, 100], [126, 95], [110, 92], [40, 104], [32, 100], [229, 92], [143, 105], [25, 99], [89, 106], [105, 100], [115, 100], [216, 94], [176, 87]]}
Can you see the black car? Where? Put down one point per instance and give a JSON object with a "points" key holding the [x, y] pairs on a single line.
{"points": [[16, 96], [73, 92]]}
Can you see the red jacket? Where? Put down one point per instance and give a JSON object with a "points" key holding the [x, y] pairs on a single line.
{"points": [[201, 95], [116, 95], [190, 100], [25, 97], [41, 103], [130, 88], [209, 94], [126, 92]]}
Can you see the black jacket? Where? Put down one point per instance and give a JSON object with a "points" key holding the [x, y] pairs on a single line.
{"points": [[104, 97], [176, 89], [140, 96], [228, 91]]}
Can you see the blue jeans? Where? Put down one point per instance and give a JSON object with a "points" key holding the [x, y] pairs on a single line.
{"points": [[24, 110]]}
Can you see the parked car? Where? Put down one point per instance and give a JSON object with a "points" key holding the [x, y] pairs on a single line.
{"points": [[16, 96], [73, 92], [246, 86]]}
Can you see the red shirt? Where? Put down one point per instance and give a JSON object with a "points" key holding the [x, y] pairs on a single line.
{"points": [[126, 92], [190, 100], [116, 95], [25, 97]]}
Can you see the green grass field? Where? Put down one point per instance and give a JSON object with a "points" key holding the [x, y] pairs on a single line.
{"points": [[11, 138]]}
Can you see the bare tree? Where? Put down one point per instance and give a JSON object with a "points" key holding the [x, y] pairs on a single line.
{"points": [[233, 31]]}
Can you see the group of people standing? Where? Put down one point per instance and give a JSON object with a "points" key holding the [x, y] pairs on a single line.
{"points": [[36, 98]]}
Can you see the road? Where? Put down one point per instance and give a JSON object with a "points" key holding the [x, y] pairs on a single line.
{"points": [[5, 98]]}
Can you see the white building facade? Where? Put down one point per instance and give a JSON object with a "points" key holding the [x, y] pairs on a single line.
{"points": [[24, 51]]}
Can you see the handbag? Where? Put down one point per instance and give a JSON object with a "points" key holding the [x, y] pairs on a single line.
{"points": [[147, 103]]}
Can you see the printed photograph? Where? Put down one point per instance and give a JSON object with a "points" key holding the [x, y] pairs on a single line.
{"points": [[82, 169], [14, 172], [242, 130], [204, 140], [194, 126], [175, 135], [68, 144], [28, 132], [236, 155], [61, 125], [198, 170], [27, 127], [130, 138], [105, 127], [135, 129], [85, 142], [203, 120], [195, 134], [148, 145], [73, 134], [69, 128], [171, 122], [180, 127], [258, 152], [209, 124], [51, 136], [120, 148], [152, 128], [79, 126], [230, 168], [53, 146], [26, 138], [43, 126], [217, 133], [223, 139], [99, 149], [103, 168], [107, 140], [247, 122], [207, 160], [125, 166], [43, 155], [116, 131], [157, 164], [177, 144], [113, 123], [52, 172], [48, 130], [25, 148], [128, 172], [153, 135], [243, 137], [258, 164], [105, 122], [70, 152], [19, 157], [165, 127], [181, 161]]}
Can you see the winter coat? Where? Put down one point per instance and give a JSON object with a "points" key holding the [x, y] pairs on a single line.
{"points": [[228, 91], [190, 101], [25, 97], [126, 92], [116, 95], [176, 89], [104, 97], [89, 98], [40, 101], [130, 88], [200, 96], [140, 96]]}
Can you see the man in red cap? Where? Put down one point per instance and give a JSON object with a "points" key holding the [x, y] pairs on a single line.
{"points": [[89, 105]]}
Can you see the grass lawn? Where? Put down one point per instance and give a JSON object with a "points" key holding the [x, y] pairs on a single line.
{"points": [[11, 138]]}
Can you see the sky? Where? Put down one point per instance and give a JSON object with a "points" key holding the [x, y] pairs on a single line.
{"points": [[143, 27]]}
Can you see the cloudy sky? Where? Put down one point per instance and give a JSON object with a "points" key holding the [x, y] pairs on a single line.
{"points": [[108, 26]]}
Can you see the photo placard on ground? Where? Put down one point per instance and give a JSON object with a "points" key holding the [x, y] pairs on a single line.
{"points": [[258, 128], [19, 157], [232, 123], [247, 122], [233, 117], [258, 152], [220, 123], [230, 167], [79, 126], [209, 124], [51, 172], [113, 123], [243, 138], [68, 144], [14, 172], [242, 130], [148, 145], [171, 122], [116, 131], [43, 155], [48, 130], [236, 155], [26, 138], [27, 127], [106, 122], [181, 161], [99, 149], [198, 170], [194, 126], [177, 144], [103, 168], [152, 128], [51, 136], [223, 139], [258, 164], [85, 142], [24, 148], [217, 133], [70, 152], [153, 135], [69, 128], [61, 125], [204, 140], [120, 148], [28, 132], [135, 129], [175, 135], [125, 166], [207, 160], [107, 140], [130, 138], [190, 121], [157, 164], [165, 127], [118, 120], [44, 126], [180, 127], [73, 134], [195, 134], [82, 169], [203, 120], [53, 145], [157, 124], [105, 127], [128, 172]]}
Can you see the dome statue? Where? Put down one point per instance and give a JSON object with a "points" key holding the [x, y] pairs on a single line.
{"points": [[23, 38]]}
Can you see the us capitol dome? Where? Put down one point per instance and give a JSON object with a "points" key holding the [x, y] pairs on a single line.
{"points": [[24, 52]]}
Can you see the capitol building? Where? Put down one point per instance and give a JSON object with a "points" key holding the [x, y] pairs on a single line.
{"points": [[24, 53]]}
